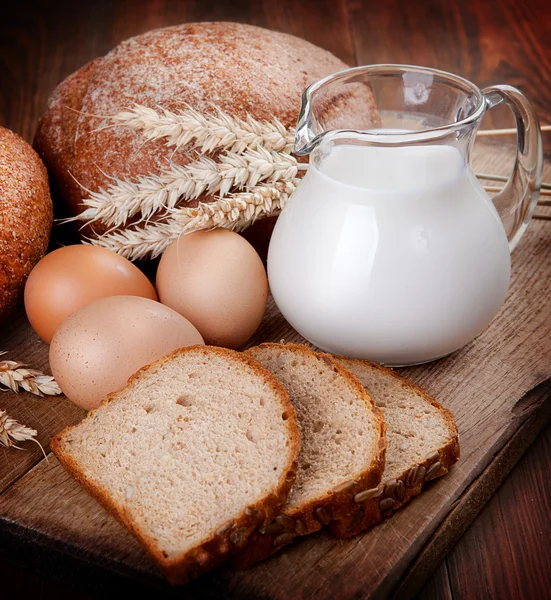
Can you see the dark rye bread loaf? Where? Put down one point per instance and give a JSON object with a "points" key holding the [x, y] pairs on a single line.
{"points": [[196, 453], [422, 444], [243, 70], [25, 216]]}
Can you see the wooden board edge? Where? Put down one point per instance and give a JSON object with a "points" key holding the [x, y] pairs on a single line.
{"points": [[69, 564], [89, 572], [477, 494]]}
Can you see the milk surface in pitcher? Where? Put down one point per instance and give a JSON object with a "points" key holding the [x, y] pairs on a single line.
{"points": [[395, 254]]}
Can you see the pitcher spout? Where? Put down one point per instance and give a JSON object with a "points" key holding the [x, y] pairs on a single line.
{"points": [[336, 104], [305, 138], [389, 105]]}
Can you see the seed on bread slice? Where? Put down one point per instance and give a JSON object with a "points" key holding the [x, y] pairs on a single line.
{"points": [[422, 441], [342, 445], [197, 452]]}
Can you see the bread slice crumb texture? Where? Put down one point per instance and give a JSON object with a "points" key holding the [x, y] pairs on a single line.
{"points": [[339, 431], [416, 424], [186, 447], [423, 444]]}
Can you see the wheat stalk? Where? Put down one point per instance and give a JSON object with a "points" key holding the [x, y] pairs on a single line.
{"points": [[140, 243], [207, 132], [153, 193], [232, 212], [238, 210], [17, 377], [11, 431], [508, 131]]}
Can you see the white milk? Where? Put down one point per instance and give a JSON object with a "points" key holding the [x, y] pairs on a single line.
{"points": [[393, 254]]}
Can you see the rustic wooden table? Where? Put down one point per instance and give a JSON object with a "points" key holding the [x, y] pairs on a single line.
{"points": [[506, 552]]}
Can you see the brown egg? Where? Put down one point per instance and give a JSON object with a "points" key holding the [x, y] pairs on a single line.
{"points": [[217, 281], [73, 276], [98, 347]]}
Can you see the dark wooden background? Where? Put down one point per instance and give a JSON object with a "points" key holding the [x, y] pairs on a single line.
{"points": [[506, 553]]}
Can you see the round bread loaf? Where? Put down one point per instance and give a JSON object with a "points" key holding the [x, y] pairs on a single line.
{"points": [[26, 216], [241, 69]]}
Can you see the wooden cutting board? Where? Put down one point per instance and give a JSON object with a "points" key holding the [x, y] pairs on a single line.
{"points": [[498, 388]]}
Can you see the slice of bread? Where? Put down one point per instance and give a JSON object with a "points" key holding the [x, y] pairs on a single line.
{"points": [[197, 452], [422, 444], [342, 445]]}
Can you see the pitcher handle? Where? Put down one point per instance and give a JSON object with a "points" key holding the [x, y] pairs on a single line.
{"points": [[517, 201]]}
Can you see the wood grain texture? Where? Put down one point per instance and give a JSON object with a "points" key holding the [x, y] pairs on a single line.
{"points": [[438, 586], [500, 552], [477, 494], [505, 552], [488, 41], [42, 42], [43, 414]]}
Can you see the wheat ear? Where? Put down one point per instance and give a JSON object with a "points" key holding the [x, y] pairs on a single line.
{"points": [[235, 212], [207, 132], [153, 193], [17, 377], [11, 431]]}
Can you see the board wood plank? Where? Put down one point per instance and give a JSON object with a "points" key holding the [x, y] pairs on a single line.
{"points": [[471, 502], [482, 384], [511, 534]]}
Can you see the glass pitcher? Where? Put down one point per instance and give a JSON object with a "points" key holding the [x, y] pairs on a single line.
{"points": [[390, 249]]}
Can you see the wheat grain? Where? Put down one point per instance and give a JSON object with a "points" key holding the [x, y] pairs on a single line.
{"points": [[17, 377], [233, 212], [139, 243], [238, 210], [255, 157], [150, 194], [208, 133], [11, 431], [123, 199]]}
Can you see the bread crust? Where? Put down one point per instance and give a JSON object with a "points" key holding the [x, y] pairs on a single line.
{"points": [[243, 69], [235, 533], [26, 216], [57, 131], [390, 495], [336, 504]]}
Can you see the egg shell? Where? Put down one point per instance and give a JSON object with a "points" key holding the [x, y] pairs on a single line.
{"points": [[99, 346], [216, 280], [73, 276]]}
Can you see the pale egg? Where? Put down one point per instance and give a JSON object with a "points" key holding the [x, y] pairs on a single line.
{"points": [[99, 346], [216, 280]]}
